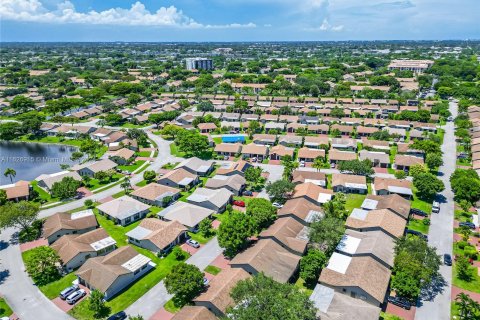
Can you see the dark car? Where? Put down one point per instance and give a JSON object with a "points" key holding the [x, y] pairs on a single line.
{"points": [[470, 225], [418, 212], [401, 302], [248, 193], [447, 259], [417, 233], [118, 316]]}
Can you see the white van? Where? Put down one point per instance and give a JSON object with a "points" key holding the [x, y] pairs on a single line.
{"points": [[436, 207]]}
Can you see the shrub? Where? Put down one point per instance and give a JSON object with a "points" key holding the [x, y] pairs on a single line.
{"points": [[32, 232], [462, 244]]}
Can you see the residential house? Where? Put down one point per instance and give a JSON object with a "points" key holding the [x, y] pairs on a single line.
{"points": [[313, 193], [196, 166], [124, 210], [238, 167], [89, 169], [46, 181], [309, 155], [228, 149], [157, 235], [349, 183], [264, 139], [316, 142], [393, 202], [377, 220], [344, 144], [18, 191], [190, 215], [279, 151], [122, 156], [213, 199], [386, 186], [315, 177], [378, 159], [335, 156], [269, 257], [255, 151], [344, 130], [277, 126], [156, 194], [360, 277], [376, 145], [75, 249], [207, 127], [403, 162], [366, 131], [404, 148], [289, 233], [217, 297], [194, 313], [114, 272], [233, 183], [63, 223], [318, 128], [179, 178], [332, 305]]}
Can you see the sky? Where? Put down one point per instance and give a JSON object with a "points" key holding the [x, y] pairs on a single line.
{"points": [[237, 20]]}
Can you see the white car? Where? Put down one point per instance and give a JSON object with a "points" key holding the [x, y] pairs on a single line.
{"points": [[302, 163], [77, 295], [193, 243], [277, 205]]}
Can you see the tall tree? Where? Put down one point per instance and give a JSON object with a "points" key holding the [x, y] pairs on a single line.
{"points": [[97, 304], [185, 281], [18, 214], [234, 232], [11, 173]]}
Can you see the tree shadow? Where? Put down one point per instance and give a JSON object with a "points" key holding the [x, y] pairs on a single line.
{"points": [[437, 286], [4, 274], [4, 244], [14, 239]]}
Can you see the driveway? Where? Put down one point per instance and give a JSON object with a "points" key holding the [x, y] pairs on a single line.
{"points": [[156, 297], [23, 296], [441, 232]]}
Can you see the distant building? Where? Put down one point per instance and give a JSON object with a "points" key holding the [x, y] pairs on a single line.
{"points": [[199, 63], [417, 66]]}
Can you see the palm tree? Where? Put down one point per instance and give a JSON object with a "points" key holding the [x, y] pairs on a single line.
{"points": [[101, 122], [466, 306], [10, 173], [126, 185], [318, 163]]}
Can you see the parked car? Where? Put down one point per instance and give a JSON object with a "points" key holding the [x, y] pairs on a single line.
{"points": [[450, 118], [417, 233], [239, 203], [302, 163], [277, 205], [436, 207], [248, 193], [226, 157], [470, 225], [68, 291], [193, 243], [254, 159], [401, 302], [205, 282], [77, 295], [447, 259], [418, 212], [118, 316], [332, 165]]}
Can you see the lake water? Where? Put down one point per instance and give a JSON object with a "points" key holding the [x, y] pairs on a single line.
{"points": [[30, 160]]}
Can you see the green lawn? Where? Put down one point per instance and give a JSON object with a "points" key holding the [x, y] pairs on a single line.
{"points": [[132, 167], [5, 310], [213, 270], [418, 225], [142, 183], [300, 283], [171, 307], [473, 285], [220, 216], [43, 196], [143, 153], [199, 238], [134, 292], [421, 204], [95, 183], [175, 152], [119, 194], [53, 289], [217, 140], [50, 139], [388, 316], [354, 201]]}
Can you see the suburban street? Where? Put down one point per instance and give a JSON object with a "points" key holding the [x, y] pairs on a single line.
{"points": [[441, 230]]}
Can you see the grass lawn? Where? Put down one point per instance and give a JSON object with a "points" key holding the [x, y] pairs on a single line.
{"points": [[169, 165], [171, 307], [421, 204], [300, 283], [217, 140], [43, 196], [354, 201], [220, 216], [132, 167], [134, 292], [388, 316], [119, 194], [117, 232], [175, 152], [473, 285], [143, 154], [95, 183], [5, 310], [53, 289], [50, 139], [142, 183], [418, 225], [213, 270], [199, 238]]}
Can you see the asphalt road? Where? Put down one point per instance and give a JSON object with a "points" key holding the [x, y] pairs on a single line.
{"points": [[441, 231]]}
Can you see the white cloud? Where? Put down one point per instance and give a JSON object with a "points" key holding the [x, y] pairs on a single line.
{"points": [[137, 15], [326, 26]]}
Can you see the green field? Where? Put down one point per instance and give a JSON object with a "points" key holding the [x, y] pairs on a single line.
{"points": [[5, 310]]}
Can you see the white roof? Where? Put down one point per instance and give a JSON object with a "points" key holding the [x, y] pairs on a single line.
{"points": [[138, 233], [400, 190], [359, 214], [324, 197], [104, 243], [136, 263], [186, 213], [348, 244], [339, 262], [355, 185], [317, 182], [81, 214], [123, 207], [369, 204], [322, 297]]}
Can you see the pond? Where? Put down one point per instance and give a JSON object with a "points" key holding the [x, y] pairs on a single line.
{"points": [[30, 160]]}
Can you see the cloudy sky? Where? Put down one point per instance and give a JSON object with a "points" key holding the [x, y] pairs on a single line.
{"points": [[237, 20]]}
